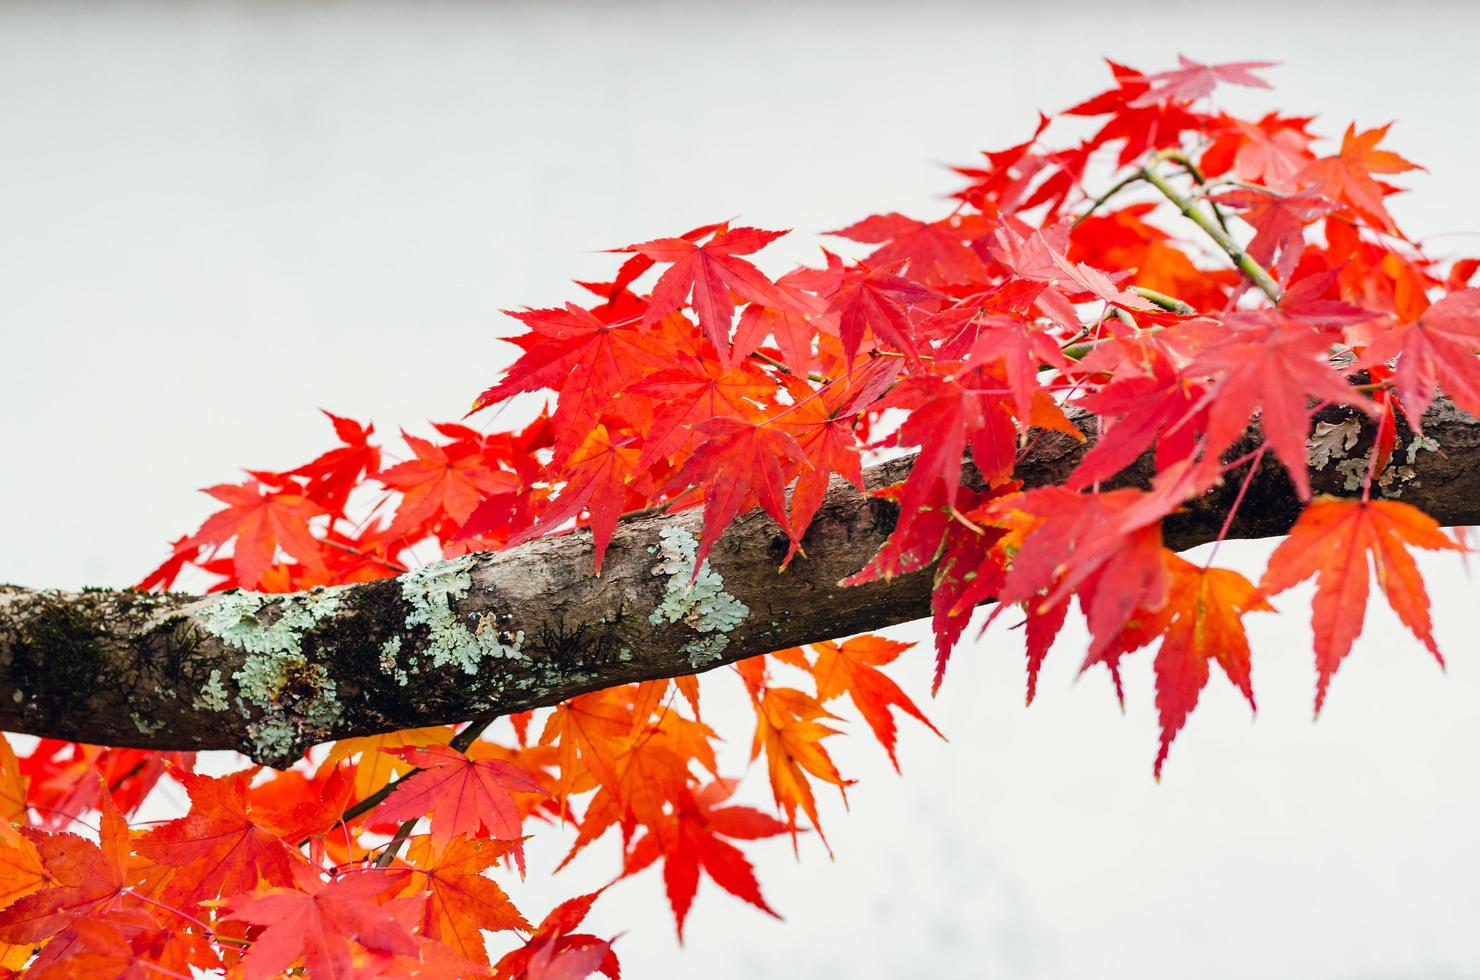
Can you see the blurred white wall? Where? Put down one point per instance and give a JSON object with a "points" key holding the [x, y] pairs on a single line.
{"points": [[217, 218]]}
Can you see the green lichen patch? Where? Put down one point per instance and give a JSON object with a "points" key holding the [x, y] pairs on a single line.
{"points": [[702, 604], [236, 619], [432, 593], [212, 696], [292, 701], [389, 651]]}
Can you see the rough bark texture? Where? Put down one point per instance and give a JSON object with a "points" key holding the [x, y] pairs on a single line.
{"points": [[496, 633]]}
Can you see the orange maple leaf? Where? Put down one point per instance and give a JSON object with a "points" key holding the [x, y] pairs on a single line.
{"points": [[852, 667], [1205, 608], [1347, 177], [458, 901], [787, 729], [690, 839], [1332, 540], [81, 878]]}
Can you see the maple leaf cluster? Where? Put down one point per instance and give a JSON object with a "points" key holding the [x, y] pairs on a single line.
{"points": [[1158, 278]]}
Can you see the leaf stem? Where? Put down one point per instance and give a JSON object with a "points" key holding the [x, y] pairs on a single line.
{"points": [[1116, 189], [1252, 270], [1170, 303], [1185, 162], [460, 741]]}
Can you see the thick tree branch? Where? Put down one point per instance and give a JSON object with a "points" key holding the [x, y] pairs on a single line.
{"points": [[497, 633]]}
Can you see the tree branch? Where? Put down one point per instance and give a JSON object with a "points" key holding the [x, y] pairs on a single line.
{"points": [[496, 633]]}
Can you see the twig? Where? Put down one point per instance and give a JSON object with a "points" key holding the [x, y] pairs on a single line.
{"points": [[1252, 270]]}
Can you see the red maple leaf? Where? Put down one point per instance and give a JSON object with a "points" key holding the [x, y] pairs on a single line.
{"points": [[1205, 608], [794, 329], [317, 922], [1278, 366], [948, 414], [878, 300], [689, 840], [1271, 151], [1192, 81], [556, 935], [442, 480], [705, 275], [934, 252], [693, 392], [1333, 540], [739, 464], [226, 844], [461, 795], [334, 474], [823, 425], [1437, 350], [583, 358], [262, 522], [1142, 127], [1107, 545], [596, 477], [1347, 176], [1279, 225], [1147, 402]]}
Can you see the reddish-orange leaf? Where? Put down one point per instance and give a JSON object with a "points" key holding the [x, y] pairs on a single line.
{"points": [[436, 483], [81, 878], [1279, 367], [852, 667], [332, 475], [226, 844], [596, 476], [262, 522], [787, 729], [461, 795], [689, 840], [1348, 176], [555, 935], [1270, 151], [948, 415], [584, 359], [1205, 609], [319, 924], [459, 901], [1333, 540], [706, 274], [693, 392], [1437, 350], [822, 423], [739, 464], [877, 300], [935, 252], [1101, 543]]}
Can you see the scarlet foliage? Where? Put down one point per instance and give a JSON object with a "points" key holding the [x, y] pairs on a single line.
{"points": [[1033, 311]]}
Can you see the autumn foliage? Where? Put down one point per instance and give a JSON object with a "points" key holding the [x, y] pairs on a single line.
{"points": [[1145, 271]]}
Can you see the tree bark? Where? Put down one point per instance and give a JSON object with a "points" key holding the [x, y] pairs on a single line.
{"points": [[496, 633]]}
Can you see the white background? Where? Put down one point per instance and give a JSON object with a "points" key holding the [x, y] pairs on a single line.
{"points": [[216, 218]]}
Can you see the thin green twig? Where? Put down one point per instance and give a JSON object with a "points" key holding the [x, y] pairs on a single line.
{"points": [[1252, 270]]}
